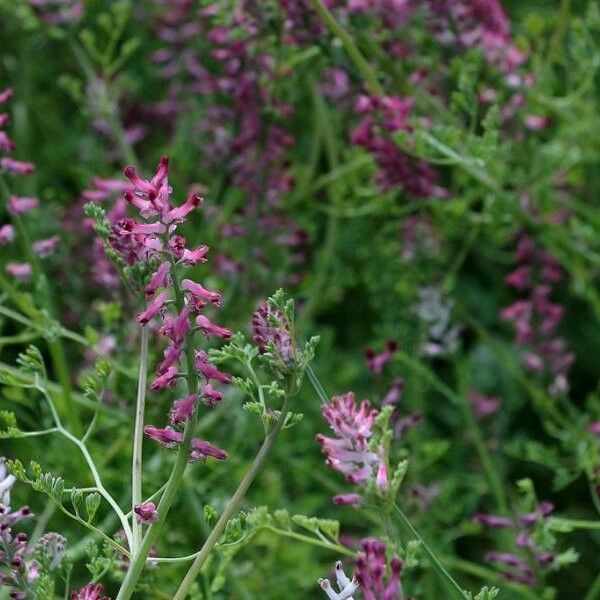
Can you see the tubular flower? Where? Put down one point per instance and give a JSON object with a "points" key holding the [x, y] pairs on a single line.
{"points": [[371, 570], [346, 586], [377, 362], [349, 452], [152, 238]]}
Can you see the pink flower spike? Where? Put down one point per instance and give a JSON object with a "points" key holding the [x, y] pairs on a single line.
{"points": [[166, 379], [7, 234], [209, 328], [210, 395], [44, 248], [153, 308], [193, 257], [200, 293], [159, 279], [183, 409], [146, 513], [166, 436], [177, 215], [201, 449], [21, 205], [16, 167], [208, 370], [21, 271]]}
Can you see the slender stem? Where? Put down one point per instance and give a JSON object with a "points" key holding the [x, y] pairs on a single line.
{"points": [[444, 575], [317, 386], [474, 431], [138, 438], [232, 505], [576, 523], [136, 566], [89, 461], [368, 74]]}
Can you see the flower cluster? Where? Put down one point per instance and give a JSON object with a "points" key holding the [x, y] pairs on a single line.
{"points": [[15, 573], [243, 131], [271, 327], [350, 452], [19, 205], [477, 24], [536, 317], [518, 568], [176, 301], [382, 116], [58, 12], [371, 568]]}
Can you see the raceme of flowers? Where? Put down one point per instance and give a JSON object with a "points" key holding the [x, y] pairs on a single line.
{"points": [[154, 240], [349, 452]]}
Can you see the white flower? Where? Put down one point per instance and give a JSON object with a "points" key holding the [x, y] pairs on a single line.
{"points": [[346, 586]]}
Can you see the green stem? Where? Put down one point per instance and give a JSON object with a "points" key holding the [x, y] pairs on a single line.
{"points": [[367, 73], [138, 438], [443, 574], [317, 386], [232, 505], [576, 523]]}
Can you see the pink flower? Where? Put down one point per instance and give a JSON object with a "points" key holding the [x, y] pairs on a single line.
{"points": [[6, 144], [208, 370], [7, 234], [166, 379], [199, 294], [594, 428], [178, 214], [153, 308], [146, 513], [210, 395], [44, 248], [183, 409], [21, 271], [92, 591], [166, 436], [16, 167], [202, 449], [21, 205], [483, 406], [6, 95], [193, 257], [159, 278], [377, 362], [347, 499], [209, 328]]}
